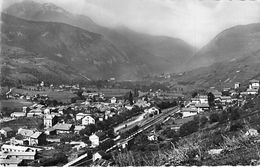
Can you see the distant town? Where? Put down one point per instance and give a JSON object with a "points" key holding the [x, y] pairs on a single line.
{"points": [[86, 127]]}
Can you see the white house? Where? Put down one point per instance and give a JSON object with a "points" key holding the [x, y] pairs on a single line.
{"points": [[49, 120], [252, 91], [202, 107], [252, 132], [98, 155], [253, 84], [79, 116], [195, 100], [188, 112], [226, 99], [237, 85], [152, 110], [18, 114], [203, 99], [88, 120], [97, 138], [113, 100]]}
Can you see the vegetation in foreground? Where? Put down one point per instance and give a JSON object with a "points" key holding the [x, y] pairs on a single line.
{"points": [[224, 132]]}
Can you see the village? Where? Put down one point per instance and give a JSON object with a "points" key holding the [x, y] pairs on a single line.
{"points": [[90, 126]]}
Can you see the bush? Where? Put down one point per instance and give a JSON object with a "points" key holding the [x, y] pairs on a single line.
{"points": [[203, 121], [169, 133], [214, 118], [234, 115], [217, 138], [189, 128], [236, 126]]}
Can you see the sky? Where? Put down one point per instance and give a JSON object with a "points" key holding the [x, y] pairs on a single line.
{"points": [[195, 21]]}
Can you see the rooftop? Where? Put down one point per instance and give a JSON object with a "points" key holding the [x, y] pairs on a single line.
{"points": [[36, 135], [254, 81], [7, 129], [10, 161], [62, 126]]}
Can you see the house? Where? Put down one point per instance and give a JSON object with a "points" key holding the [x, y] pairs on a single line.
{"points": [[203, 99], [88, 120], [97, 138], [64, 128], [20, 155], [142, 103], [202, 107], [195, 100], [78, 128], [26, 133], [79, 116], [113, 100], [252, 91], [252, 132], [38, 138], [188, 112], [18, 114], [51, 131], [253, 84], [226, 99], [50, 120], [11, 162], [7, 132], [78, 144], [13, 148], [152, 110], [152, 137], [98, 155], [237, 85]]}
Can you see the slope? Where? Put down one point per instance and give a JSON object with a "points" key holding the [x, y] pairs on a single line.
{"points": [[159, 53], [88, 53], [223, 74], [231, 44]]}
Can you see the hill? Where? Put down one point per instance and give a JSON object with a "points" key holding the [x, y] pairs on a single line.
{"points": [[163, 54], [222, 74], [231, 44], [62, 51]]}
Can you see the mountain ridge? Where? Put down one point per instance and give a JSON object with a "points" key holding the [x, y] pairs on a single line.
{"points": [[120, 40]]}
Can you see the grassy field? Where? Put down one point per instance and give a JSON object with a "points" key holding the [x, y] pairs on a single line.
{"points": [[21, 122], [64, 96], [112, 92], [14, 103]]}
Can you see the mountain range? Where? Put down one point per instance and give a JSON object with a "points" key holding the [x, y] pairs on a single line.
{"points": [[232, 56], [44, 41], [94, 51]]}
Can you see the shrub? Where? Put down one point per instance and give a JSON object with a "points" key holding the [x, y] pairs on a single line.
{"points": [[236, 126], [189, 128], [214, 118]]}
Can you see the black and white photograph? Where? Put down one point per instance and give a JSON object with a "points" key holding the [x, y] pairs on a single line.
{"points": [[129, 83]]}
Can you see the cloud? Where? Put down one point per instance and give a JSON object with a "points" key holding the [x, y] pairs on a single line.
{"points": [[195, 21]]}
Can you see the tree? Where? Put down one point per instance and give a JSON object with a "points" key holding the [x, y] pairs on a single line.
{"points": [[89, 129], [211, 99], [130, 98], [136, 94], [194, 94], [106, 144]]}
